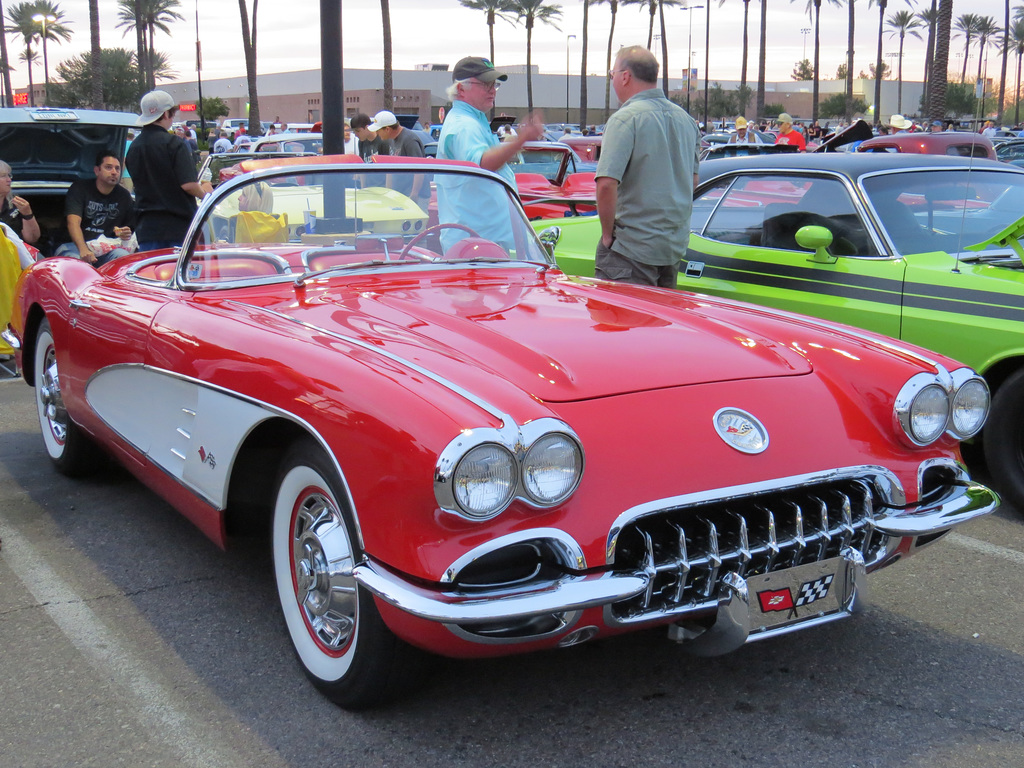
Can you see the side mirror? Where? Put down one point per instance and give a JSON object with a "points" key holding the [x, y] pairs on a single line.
{"points": [[549, 239], [817, 239]]}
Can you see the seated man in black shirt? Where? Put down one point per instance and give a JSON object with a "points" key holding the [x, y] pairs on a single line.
{"points": [[100, 208]]}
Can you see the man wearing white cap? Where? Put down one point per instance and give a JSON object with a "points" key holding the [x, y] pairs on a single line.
{"points": [[164, 174], [899, 124], [406, 144]]}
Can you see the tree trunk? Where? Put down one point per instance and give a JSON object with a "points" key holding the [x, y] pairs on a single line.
{"points": [[929, 55], [529, 69], [967, 52], [94, 55], [746, 47], [608, 67], [937, 79], [1006, 53], [849, 61], [878, 63], [249, 49], [140, 48], [1016, 107], [583, 66], [761, 60], [655, 4], [490, 35], [8, 99], [31, 88], [815, 90], [389, 82], [899, 78], [664, 51]]}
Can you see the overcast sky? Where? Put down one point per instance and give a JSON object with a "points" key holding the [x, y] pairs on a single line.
{"points": [[442, 31]]}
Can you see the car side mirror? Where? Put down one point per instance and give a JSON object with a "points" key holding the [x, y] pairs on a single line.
{"points": [[549, 239], [817, 239]]}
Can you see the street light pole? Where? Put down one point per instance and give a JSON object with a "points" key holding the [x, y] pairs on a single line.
{"points": [[199, 80], [567, 39], [689, 46], [43, 18], [805, 32]]}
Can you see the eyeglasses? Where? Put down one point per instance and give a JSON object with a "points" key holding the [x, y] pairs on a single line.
{"points": [[6, 176], [613, 72], [492, 86]]}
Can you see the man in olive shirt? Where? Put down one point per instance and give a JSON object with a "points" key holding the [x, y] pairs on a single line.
{"points": [[645, 177]]}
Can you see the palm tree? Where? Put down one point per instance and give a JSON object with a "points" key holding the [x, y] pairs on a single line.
{"points": [[530, 12], [1005, 54], [761, 61], [583, 66], [95, 54], [20, 17], [495, 9], [987, 29], [389, 77], [929, 18], [940, 61], [1017, 40], [902, 23], [879, 72], [5, 63], [967, 25], [249, 51], [152, 15], [815, 16], [849, 61]]}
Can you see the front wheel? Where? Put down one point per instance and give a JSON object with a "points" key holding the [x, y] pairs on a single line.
{"points": [[70, 450], [338, 634], [1004, 440]]}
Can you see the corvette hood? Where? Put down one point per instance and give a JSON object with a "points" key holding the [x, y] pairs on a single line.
{"points": [[557, 338]]}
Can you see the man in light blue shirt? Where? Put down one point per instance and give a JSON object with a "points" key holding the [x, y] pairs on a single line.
{"points": [[466, 135]]}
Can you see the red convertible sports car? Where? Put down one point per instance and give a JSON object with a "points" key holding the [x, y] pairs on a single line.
{"points": [[456, 448]]}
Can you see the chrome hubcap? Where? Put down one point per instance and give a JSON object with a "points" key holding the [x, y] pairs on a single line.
{"points": [[322, 563], [50, 397]]}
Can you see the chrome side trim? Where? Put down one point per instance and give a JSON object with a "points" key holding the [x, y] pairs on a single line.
{"points": [[885, 482], [572, 593], [366, 346]]}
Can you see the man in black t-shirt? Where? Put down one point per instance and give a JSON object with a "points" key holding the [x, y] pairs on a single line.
{"points": [[98, 208], [164, 175], [404, 143], [370, 143]]}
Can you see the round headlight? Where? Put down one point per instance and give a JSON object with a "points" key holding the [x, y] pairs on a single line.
{"points": [[929, 413], [970, 408], [552, 469], [485, 480]]}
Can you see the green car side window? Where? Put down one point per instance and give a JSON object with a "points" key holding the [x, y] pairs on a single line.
{"points": [[767, 211]]}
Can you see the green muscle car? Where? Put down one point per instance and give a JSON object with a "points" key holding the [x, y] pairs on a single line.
{"points": [[919, 247]]}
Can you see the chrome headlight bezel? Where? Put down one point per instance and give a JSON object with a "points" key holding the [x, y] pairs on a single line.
{"points": [[947, 387], [516, 442]]}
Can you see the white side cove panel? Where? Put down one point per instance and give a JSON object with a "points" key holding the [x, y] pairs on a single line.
{"points": [[190, 430]]}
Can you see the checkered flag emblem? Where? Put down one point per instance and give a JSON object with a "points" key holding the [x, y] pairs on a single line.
{"points": [[814, 590]]}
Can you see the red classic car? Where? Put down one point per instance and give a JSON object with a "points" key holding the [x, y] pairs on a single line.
{"points": [[553, 182], [957, 143], [457, 448]]}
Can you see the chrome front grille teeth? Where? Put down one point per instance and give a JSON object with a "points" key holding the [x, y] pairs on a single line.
{"points": [[685, 553]]}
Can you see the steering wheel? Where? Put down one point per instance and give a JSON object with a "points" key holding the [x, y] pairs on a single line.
{"points": [[430, 230]]}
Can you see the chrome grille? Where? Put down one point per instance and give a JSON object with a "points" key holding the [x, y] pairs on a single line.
{"points": [[686, 551]]}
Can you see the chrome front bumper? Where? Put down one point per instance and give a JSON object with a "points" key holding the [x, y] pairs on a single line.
{"points": [[574, 593]]}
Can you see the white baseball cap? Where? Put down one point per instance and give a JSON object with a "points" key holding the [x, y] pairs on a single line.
{"points": [[153, 105], [382, 119]]}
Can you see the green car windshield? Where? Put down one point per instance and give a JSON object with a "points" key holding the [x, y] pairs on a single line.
{"points": [[945, 210]]}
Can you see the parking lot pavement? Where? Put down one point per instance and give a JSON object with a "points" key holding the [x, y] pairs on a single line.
{"points": [[84, 680]]}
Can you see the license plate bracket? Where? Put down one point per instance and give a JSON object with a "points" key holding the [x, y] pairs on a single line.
{"points": [[797, 594]]}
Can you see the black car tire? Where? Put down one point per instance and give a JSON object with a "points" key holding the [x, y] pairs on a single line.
{"points": [[1004, 440], [338, 634]]}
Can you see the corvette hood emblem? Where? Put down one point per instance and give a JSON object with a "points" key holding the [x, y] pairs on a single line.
{"points": [[741, 430]]}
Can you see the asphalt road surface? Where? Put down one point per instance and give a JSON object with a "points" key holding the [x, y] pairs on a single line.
{"points": [[128, 639]]}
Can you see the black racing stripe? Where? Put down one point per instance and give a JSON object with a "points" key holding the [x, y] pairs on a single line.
{"points": [[805, 286], [994, 311], [802, 273], [1008, 300], [946, 298]]}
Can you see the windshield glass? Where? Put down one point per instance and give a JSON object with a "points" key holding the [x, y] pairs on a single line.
{"points": [[945, 210], [295, 221]]}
